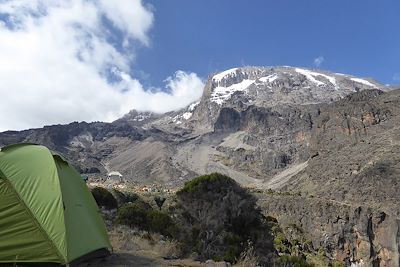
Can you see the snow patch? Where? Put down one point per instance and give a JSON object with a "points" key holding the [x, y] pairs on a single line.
{"points": [[177, 119], [141, 117], [187, 115], [193, 106], [221, 94], [269, 78], [331, 79], [311, 76], [220, 76], [363, 82]]}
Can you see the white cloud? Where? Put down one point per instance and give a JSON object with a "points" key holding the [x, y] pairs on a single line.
{"points": [[318, 61], [184, 88], [131, 16], [56, 59]]}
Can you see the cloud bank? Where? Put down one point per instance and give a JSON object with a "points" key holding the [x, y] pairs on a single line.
{"points": [[61, 61]]}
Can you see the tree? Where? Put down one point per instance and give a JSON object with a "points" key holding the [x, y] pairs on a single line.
{"points": [[159, 201]]}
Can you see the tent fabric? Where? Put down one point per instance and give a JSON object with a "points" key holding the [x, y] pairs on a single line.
{"points": [[20, 238], [88, 231], [47, 214]]}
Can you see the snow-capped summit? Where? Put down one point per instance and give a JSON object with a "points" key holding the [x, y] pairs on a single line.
{"points": [[284, 84], [240, 88]]}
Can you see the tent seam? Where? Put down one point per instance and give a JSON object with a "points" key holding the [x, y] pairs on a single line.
{"points": [[30, 214], [62, 199]]}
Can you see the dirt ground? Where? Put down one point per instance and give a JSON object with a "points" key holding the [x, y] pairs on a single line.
{"points": [[132, 248], [130, 259]]}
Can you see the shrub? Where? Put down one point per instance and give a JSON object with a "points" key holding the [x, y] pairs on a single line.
{"points": [[133, 215], [282, 245], [293, 261], [104, 198], [124, 197], [248, 258], [207, 182], [162, 223], [337, 263], [130, 197], [233, 248], [141, 215], [220, 217], [159, 201]]}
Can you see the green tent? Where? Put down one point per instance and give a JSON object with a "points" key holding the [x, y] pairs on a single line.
{"points": [[47, 213]]}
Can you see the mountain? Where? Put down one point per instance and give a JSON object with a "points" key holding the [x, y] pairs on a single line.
{"points": [[320, 149], [245, 125], [251, 123]]}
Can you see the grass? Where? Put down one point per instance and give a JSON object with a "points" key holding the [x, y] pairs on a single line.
{"points": [[132, 240]]}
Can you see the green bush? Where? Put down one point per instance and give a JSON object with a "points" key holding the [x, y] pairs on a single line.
{"points": [[124, 197], [219, 217], [133, 215], [337, 263], [293, 261], [234, 247], [141, 215], [206, 182], [130, 197], [104, 198], [162, 223], [281, 244]]}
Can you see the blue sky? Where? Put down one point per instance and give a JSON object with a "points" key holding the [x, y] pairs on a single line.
{"points": [[360, 37], [95, 60]]}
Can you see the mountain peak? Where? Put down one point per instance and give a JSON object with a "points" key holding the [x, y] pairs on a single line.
{"points": [[264, 82]]}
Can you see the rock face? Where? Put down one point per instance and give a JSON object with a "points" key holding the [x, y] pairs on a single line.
{"points": [[332, 138], [353, 234], [356, 145]]}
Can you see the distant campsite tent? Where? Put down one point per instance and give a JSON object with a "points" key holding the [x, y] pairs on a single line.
{"points": [[47, 214], [115, 176]]}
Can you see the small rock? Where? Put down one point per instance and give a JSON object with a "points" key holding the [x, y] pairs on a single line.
{"points": [[194, 256], [211, 263]]}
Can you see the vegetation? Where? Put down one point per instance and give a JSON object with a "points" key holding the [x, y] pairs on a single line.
{"points": [[141, 215], [104, 198], [294, 249], [159, 201], [336, 263], [293, 261], [282, 245], [124, 197], [214, 182], [221, 218], [162, 223], [134, 215], [217, 219]]}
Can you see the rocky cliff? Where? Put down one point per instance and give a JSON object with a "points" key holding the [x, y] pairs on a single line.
{"points": [[355, 234]]}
